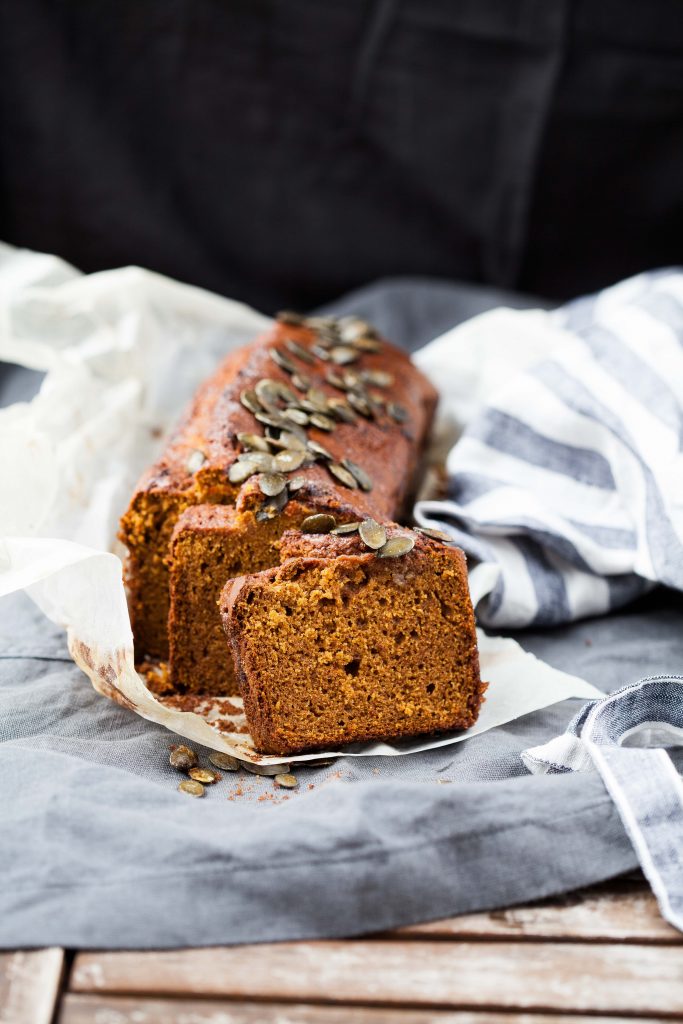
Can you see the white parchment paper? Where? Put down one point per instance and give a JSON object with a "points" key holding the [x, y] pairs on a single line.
{"points": [[123, 351]]}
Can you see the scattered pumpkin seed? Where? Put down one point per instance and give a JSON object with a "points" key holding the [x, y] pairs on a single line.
{"points": [[396, 546], [359, 473], [296, 483], [321, 522], [343, 475], [397, 412], [321, 323], [272, 484], [345, 528], [434, 534], [250, 401], [264, 769], [288, 316], [322, 422], [287, 461], [204, 775], [226, 762], [282, 360], [343, 354], [286, 781], [320, 352], [299, 351], [372, 534], [254, 442], [183, 758], [191, 787]]}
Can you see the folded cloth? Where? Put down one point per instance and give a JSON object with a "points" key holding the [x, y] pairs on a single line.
{"points": [[623, 737], [567, 483]]}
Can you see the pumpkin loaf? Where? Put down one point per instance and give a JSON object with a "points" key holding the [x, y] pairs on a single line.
{"points": [[341, 643], [316, 415]]}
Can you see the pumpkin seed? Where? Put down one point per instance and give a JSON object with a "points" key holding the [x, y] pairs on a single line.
{"points": [[299, 351], [195, 461], [293, 439], [321, 522], [372, 534], [335, 379], [321, 323], [262, 460], [345, 528], [265, 769], [320, 450], [397, 412], [250, 401], [288, 316], [254, 442], [318, 399], [282, 360], [360, 404], [434, 534], [301, 381], [342, 410], [322, 422], [272, 484], [271, 419], [296, 416], [272, 508], [396, 546], [296, 483], [351, 327], [183, 758], [191, 787], [380, 378], [286, 781], [343, 354], [226, 762], [287, 461], [204, 775], [359, 473], [241, 471], [321, 352], [366, 343], [343, 475]]}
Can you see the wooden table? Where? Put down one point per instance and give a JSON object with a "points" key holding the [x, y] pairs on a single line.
{"points": [[601, 953]]}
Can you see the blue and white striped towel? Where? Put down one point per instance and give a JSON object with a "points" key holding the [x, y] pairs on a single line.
{"points": [[623, 737], [566, 492], [569, 481]]}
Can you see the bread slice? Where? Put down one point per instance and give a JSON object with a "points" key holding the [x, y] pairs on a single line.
{"points": [[339, 644]]}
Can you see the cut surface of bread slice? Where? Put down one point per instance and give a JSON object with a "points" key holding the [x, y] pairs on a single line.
{"points": [[339, 645]]}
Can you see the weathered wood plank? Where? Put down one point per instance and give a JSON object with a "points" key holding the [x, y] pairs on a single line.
{"points": [[628, 913], [82, 1009], [603, 978], [29, 985]]}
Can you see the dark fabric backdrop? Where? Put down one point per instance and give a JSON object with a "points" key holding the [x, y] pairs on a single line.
{"points": [[286, 151]]}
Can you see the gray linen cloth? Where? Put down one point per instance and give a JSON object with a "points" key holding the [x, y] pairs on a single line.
{"points": [[99, 849]]}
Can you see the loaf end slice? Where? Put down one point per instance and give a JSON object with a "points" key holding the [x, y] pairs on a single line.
{"points": [[350, 646]]}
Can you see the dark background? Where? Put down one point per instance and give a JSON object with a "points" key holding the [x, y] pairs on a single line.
{"points": [[286, 151]]}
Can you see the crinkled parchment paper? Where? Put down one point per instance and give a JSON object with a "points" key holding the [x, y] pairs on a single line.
{"points": [[123, 351]]}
